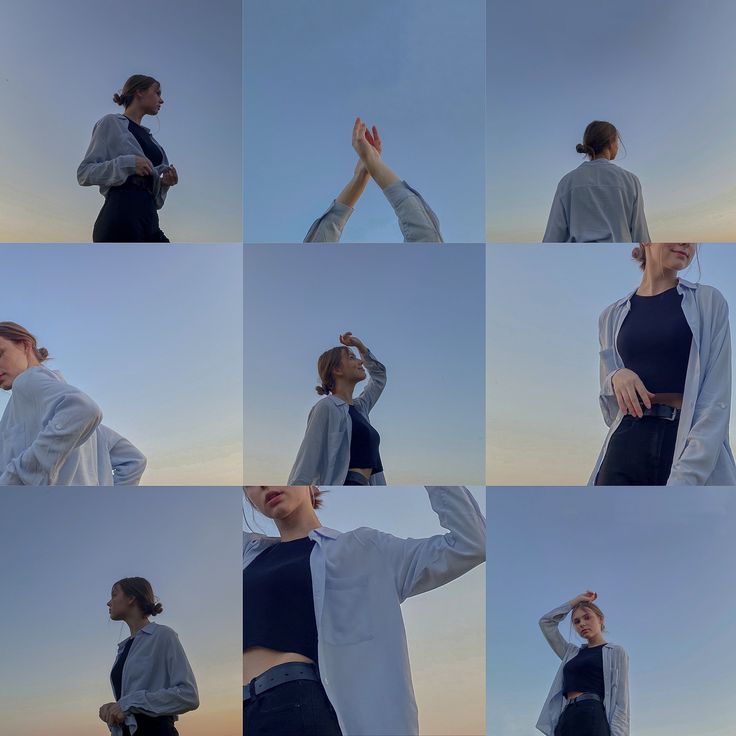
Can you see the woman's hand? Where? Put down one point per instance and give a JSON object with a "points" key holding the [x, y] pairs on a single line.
{"points": [[143, 167], [112, 714], [348, 340], [170, 177], [375, 141], [631, 392], [367, 146], [588, 597]]}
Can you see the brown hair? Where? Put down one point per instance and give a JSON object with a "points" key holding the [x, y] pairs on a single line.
{"points": [[326, 364], [593, 609], [16, 333], [142, 591], [136, 83], [639, 254], [598, 135]]}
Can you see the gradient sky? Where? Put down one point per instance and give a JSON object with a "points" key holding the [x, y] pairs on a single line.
{"points": [[415, 69], [60, 64], [543, 421], [445, 627], [661, 71], [60, 553], [154, 335], [419, 310], [657, 559]]}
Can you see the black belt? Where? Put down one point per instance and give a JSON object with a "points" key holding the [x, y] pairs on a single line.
{"points": [[585, 696], [662, 411], [278, 675]]}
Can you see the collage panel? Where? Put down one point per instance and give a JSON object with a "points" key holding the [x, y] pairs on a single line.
{"points": [[140, 101], [610, 364], [120, 611], [121, 366], [380, 342], [605, 122], [373, 600], [337, 94], [639, 611]]}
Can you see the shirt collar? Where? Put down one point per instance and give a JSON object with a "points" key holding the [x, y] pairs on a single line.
{"points": [[324, 531], [336, 400], [147, 629], [681, 283]]}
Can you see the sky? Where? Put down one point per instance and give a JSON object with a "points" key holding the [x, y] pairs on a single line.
{"points": [[414, 69], [420, 311], [661, 562], [153, 334], [61, 552], [60, 64], [445, 627], [543, 421], [661, 71]]}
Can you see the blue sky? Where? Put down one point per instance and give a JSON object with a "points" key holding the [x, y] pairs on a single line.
{"points": [[154, 335], [421, 313], [415, 69], [445, 627], [60, 64], [657, 559], [661, 71], [60, 553], [543, 422]]}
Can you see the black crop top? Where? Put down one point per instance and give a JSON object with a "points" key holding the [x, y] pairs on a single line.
{"points": [[654, 341], [278, 603], [117, 671], [584, 672], [150, 150], [364, 443]]}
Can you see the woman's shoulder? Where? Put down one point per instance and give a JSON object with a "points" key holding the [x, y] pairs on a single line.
{"points": [[37, 376], [706, 292], [112, 121]]}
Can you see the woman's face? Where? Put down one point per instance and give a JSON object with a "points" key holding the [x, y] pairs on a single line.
{"points": [[150, 100], [671, 256], [14, 359], [586, 623], [278, 502], [613, 148], [351, 367], [119, 604]]}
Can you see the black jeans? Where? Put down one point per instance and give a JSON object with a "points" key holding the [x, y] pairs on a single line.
{"points": [[639, 453], [149, 726], [354, 478], [129, 215], [298, 708], [583, 718]]}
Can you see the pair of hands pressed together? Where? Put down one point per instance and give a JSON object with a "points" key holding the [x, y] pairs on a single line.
{"points": [[143, 167], [112, 714], [631, 392], [368, 146]]}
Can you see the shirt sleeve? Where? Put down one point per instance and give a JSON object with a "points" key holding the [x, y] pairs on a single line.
{"points": [[621, 719], [558, 230], [420, 565], [128, 462], [550, 623], [311, 460], [376, 382], [417, 221], [712, 407], [181, 695], [99, 167], [638, 225], [73, 417], [608, 366], [328, 227]]}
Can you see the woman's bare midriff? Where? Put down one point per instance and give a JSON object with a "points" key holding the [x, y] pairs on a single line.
{"points": [[365, 472], [256, 660], [572, 695], [668, 400]]}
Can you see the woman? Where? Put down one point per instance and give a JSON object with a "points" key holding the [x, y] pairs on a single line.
{"points": [[665, 366], [151, 678], [323, 633], [340, 446], [598, 202], [50, 432], [590, 692], [130, 167], [417, 221]]}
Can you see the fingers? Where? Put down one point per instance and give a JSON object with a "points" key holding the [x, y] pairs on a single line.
{"points": [[369, 137], [632, 401], [377, 140], [644, 394]]}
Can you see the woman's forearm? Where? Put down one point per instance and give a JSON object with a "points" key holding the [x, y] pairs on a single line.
{"points": [[353, 190], [381, 173]]}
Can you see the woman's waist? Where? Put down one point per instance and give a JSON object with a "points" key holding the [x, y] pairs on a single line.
{"points": [[257, 660]]}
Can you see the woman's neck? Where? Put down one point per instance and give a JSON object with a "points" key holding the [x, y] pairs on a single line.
{"points": [[136, 623], [344, 391], [596, 641], [134, 114], [655, 282], [297, 524]]}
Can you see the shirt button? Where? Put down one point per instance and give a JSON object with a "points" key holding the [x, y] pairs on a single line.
{"points": [[57, 425]]}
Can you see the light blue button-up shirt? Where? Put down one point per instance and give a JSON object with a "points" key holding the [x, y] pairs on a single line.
{"points": [[417, 221], [110, 158], [157, 678], [702, 451], [598, 202], [50, 434], [359, 580], [324, 455], [615, 678]]}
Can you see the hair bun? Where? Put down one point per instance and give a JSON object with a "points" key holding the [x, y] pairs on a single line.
{"points": [[117, 99], [156, 608], [43, 353], [321, 390], [580, 148]]}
